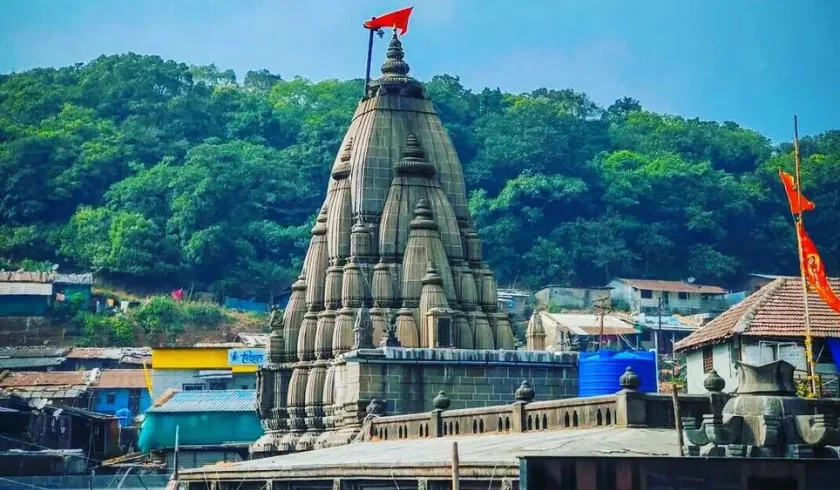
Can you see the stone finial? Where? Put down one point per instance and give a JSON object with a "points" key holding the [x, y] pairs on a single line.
{"points": [[413, 161], [320, 227], [423, 216], [525, 393], [629, 380], [341, 170], [441, 401], [432, 276], [714, 383], [395, 65]]}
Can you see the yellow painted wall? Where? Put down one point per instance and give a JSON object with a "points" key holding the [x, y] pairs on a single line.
{"points": [[195, 358]]}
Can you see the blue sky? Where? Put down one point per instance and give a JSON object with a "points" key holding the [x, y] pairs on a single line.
{"points": [[751, 61]]}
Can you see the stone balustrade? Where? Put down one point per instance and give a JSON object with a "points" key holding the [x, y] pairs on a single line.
{"points": [[627, 408]]}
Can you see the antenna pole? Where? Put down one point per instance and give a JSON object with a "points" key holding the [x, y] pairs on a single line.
{"points": [[809, 349]]}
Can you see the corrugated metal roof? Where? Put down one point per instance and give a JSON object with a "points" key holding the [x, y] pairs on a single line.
{"points": [[34, 351], [587, 323], [121, 378], [29, 362], [74, 278], [42, 277], [25, 289], [114, 353], [209, 401], [673, 286], [50, 378]]}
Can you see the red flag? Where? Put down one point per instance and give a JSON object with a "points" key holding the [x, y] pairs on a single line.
{"points": [[178, 294], [795, 198], [397, 20], [814, 269]]}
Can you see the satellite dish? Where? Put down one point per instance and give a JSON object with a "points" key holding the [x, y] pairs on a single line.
{"points": [[55, 267], [691, 280]]}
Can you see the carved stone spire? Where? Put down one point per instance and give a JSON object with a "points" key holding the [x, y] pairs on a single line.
{"points": [[395, 65]]}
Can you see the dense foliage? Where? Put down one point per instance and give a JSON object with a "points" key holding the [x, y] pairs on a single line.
{"points": [[162, 173]]}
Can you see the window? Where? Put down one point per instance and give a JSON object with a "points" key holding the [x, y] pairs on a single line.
{"points": [[110, 398], [704, 298], [708, 360], [445, 333], [218, 385], [193, 386], [646, 293], [683, 296]]}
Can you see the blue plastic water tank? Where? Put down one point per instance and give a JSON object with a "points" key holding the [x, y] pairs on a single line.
{"points": [[599, 371]]}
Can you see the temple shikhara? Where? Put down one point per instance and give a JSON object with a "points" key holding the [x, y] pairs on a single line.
{"points": [[394, 259]]}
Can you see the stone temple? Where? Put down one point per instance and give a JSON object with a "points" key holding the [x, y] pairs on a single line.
{"points": [[394, 261]]}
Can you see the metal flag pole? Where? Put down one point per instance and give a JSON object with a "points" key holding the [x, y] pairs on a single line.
{"points": [[369, 54], [809, 349]]}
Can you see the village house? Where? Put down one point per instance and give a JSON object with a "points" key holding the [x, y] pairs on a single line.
{"points": [[655, 296], [564, 332], [769, 325], [203, 367], [73, 287], [24, 294], [516, 303], [212, 426], [554, 297], [121, 392]]}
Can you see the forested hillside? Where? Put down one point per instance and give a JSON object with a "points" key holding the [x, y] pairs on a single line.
{"points": [[166, 174]]}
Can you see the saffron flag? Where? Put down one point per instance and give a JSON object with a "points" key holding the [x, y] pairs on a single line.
{"points": [[178, 294], [814, 269], [797, 201], [397, 19]]}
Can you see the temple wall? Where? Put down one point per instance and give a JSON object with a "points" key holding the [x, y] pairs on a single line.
{"points": [[409, 379]]}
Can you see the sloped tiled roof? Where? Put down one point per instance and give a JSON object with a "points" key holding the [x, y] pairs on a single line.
{"points": [[673, 286], [208, 401], [775, 310], [121, 378]]}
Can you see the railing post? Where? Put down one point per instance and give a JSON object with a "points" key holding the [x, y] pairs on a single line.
{"points": [[436, 422]]}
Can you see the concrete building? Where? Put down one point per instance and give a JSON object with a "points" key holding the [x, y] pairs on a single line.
{"points": [[205, 367], [649, 296], [767, 326], [516, 303], [754, 282], [25, 294], [553, 297], [213, 426], [121, 389]]}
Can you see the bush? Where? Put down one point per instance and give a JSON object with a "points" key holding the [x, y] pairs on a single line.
{"points": [[160, 315], [203, 314], [104, 331]]}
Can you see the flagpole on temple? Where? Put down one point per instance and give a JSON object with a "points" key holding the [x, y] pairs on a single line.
{"points": [[809, 350], [369, 54]]}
